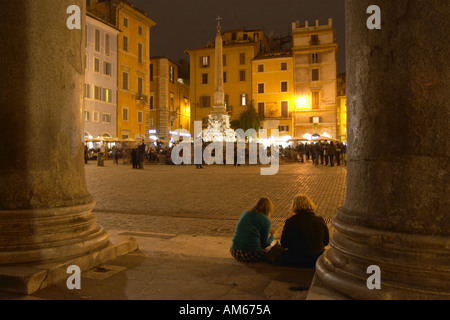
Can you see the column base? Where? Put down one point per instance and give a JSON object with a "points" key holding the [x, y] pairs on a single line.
{"points": [[38, 245], [38, 235], [27, 279], [413, 267]]}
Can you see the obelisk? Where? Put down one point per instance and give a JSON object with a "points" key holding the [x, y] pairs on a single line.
{"points": [[219, 121], [219, 96]]}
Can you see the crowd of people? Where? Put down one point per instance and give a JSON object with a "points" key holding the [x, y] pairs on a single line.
{"points": [[302, 241], [324, 153], [320, 153]]}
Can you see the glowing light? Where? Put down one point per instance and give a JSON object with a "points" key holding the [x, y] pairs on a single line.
{"points": [[303, 103]]}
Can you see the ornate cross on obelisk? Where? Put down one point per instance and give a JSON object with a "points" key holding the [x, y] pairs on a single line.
{"points": [[218, 22]]}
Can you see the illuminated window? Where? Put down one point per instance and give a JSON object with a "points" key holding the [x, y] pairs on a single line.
{"points": [[106, 95], [243, 99], [204, 62], [171, 74]]}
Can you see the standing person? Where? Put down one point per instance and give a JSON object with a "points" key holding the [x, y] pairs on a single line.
{"points": [[115, 155], [141, 155], [331, 153], [316, 153], [301, 151], [308, 149], [86, 154], [305, 235], [253, 233], [338, 153], [134, 158]]}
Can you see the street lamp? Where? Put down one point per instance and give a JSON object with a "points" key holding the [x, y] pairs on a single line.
{"points": [[302, 103]]}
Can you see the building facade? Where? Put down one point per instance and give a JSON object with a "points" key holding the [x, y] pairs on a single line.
{"points": [[100, 89], [273, 91], [240, 47], [314, 50], [170, 109], [133, 103]]}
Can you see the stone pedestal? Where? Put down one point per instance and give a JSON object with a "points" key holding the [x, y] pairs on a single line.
{"points": [[45, 209], [396, 213]]}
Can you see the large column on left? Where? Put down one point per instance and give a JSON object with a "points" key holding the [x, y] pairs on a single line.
{"points": [[45, 209]]}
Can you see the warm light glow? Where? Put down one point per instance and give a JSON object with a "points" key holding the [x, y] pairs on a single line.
{"points": [[303, 103]]}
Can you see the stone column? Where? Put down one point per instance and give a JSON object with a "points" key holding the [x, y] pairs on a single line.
{"points": [[396, 214], [45, 209]]}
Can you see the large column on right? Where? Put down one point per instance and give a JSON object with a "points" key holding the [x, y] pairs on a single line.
{"points": [[397, 211]]}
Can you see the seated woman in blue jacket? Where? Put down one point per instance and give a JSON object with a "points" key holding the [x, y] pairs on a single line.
{"points": [[253, 233], [305, 235]]}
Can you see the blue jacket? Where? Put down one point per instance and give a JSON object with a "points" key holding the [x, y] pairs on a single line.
{"points": [[252, 232]]}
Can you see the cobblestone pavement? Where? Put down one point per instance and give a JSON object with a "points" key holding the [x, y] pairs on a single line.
{"points": [[183, 200]]}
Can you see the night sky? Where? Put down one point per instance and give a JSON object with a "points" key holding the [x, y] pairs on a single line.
{"points": [[188, 24]]}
